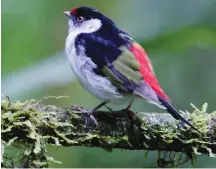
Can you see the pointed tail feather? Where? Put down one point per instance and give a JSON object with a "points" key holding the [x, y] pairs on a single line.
{"points": [[175, 113]]}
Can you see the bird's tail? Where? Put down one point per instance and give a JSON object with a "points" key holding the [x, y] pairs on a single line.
{"points": [[175, 112]]}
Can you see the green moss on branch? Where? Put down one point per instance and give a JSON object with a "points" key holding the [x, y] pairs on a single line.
{"points": [[30, 126]]}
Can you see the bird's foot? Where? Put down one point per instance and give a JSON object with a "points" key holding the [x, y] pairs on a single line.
{"points": [[133, 124], [89, 113], [130, 113]]}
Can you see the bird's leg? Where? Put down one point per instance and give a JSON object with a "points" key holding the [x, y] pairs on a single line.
{"points": [[130, 113], [98, 106], [109, 108], [132, 117], [130, 104], [90, 112]]}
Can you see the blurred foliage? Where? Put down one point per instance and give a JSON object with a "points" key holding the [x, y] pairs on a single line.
{"points": [[182, 40], [34, 29], [179, 36]]}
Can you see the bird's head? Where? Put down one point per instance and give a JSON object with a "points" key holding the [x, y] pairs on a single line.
{"points": [[87, 20]]}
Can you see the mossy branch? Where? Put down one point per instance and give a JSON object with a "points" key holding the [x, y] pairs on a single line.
{"points": [[30, 126]]}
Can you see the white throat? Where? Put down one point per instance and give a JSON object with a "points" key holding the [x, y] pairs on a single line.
{"points": [[88, 26], [83, 67]]}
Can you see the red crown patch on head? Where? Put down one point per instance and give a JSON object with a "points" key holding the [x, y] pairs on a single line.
{"points": [[74, 10]]}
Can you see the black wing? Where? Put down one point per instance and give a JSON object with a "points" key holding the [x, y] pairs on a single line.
{"points": [[113, 61]]}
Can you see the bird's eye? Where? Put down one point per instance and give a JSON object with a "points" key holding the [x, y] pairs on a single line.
{"points": [[80, 18]]}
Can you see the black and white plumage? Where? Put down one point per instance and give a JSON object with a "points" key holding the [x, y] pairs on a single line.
{"points": [[85, 49], [83, 66], [109, 63]]}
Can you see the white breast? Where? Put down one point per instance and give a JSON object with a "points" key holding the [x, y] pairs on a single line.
{"points": [[83, 68]]}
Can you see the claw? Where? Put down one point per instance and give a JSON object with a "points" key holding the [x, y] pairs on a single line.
{"points": [[87, 112], [77, 108], [93, 119], [130, 114], [91, 116]]}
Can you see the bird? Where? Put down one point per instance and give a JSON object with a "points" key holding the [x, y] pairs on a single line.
{"points": [[110, 64]]}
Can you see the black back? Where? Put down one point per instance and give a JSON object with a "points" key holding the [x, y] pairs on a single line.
{"points": [[102, 45]]}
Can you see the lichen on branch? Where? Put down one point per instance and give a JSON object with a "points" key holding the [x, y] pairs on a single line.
{"points": [[29, 126]]}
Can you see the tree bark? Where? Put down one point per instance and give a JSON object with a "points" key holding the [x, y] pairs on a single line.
{"points": [[30, 126]]}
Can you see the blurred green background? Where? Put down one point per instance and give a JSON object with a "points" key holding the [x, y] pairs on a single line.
{"points": [[179, 36]]}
